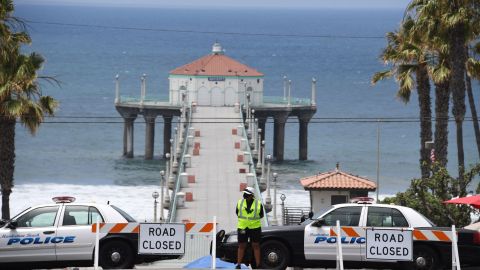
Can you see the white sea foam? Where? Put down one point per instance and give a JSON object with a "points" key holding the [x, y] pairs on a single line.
{"points": [[135, 200]]}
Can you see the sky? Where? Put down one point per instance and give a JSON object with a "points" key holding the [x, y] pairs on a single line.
{"points": [[369, 4]]}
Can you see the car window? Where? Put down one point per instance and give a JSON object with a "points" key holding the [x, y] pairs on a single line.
{"points": [[348, 216], [385, 217], [38, 217], [80, 215]]}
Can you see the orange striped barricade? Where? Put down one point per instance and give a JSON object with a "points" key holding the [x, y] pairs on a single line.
{"points": [[198, 238]]}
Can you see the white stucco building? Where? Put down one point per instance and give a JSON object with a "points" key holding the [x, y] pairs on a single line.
{"points": [[215, 80], [334, 187]]}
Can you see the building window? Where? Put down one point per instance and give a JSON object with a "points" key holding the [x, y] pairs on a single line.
{"points": [[336, 199]]}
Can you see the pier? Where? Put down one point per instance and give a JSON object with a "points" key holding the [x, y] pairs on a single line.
{"points": [[218, 145]]}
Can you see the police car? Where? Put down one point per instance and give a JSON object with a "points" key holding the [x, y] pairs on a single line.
{"points": [[311, 243], [60, 235]]}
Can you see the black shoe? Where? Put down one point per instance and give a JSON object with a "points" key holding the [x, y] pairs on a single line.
{"points": [[238, 266]]}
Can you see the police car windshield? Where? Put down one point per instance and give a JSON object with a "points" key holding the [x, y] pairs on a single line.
{"points": [[429, 221], [124, 214], [21, 212]]}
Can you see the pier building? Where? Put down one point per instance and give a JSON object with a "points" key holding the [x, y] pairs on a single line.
{"points": [[215, 80]]}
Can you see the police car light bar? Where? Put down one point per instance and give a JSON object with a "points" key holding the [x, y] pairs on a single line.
{"points": [[362, 200], [63, 199]]}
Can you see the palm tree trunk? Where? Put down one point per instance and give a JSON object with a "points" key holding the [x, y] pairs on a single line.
{"points": [[424, 101], [7, 162], [457, 88], [473, 110], [442, 103]]}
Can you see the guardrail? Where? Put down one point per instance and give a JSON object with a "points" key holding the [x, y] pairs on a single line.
{"points": [[251, 168], [293, 215], [181, 169], [149, 98], [282, 100]]}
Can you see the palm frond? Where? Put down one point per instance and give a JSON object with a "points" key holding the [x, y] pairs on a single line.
{"points": [[48, 104], [473, 68], [381, 76]]}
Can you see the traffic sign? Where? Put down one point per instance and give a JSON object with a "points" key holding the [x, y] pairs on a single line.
{"points": [[389, 244], [161, 238]]}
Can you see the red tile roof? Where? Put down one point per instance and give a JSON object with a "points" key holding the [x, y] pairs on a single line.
{"points": [[216, 65], [336, 180]]}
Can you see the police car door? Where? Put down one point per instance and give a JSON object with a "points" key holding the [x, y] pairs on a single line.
{"points": [[76, 228], [33, 239], [385, 217], [320, 245]]}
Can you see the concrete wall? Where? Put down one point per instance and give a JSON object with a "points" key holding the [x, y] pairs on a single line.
{"points": [[321, 200], [215, 90]]}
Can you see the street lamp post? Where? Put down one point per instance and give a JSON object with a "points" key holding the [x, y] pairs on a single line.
{"points": [[274, 220], [168, 176], [262, 160], [268, 199], [162, 184], [155, 197], [282, 198]]}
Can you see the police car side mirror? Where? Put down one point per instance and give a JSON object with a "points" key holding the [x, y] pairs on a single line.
{"points": [[319, 222], [3, 222], [310, 215], [12, 224]]}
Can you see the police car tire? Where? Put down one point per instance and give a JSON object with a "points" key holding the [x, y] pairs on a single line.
{"points": [[274, 248], [429, 254], [127, 256]]}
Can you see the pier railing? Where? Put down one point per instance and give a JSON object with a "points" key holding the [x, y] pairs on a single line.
{"points": [[284, 101], [181, 168], [267, 100], [149, 98], [251, 169]]}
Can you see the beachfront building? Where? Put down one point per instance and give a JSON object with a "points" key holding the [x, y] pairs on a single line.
{"points": [[334, 187], [215, 80]]}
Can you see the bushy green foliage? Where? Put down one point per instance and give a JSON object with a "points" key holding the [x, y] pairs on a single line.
{"points": [[428, 194]]}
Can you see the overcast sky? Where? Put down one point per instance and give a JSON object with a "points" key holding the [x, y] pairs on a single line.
{"points": [[369, 4]]}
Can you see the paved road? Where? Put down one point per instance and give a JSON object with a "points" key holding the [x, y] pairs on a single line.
{"points": [[217, 178]]}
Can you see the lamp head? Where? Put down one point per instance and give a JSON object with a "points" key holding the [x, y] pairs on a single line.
{"points": [[162, 173], [155, 195]]}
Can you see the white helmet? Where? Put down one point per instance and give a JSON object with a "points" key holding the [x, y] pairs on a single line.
{"points": [[249, 191]]}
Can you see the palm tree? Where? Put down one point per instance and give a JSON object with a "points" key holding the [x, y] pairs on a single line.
{"points": [[473, 70], [409, 67], [458, 18], [20, 96]]}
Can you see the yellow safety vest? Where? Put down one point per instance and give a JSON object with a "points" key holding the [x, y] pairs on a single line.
{"points": [[246, 220]]}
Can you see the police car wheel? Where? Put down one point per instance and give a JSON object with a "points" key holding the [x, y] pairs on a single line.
{"points": [[425, 258], [116, 255], [275, 255]]}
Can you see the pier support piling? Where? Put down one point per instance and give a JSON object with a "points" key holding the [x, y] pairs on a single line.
{"points": [[279, 136], [128, 136], [149, 136], [261, 125], [303, 135], [167, 134]]}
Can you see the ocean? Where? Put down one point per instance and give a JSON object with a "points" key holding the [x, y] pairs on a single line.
{"points": [[339, 47]]}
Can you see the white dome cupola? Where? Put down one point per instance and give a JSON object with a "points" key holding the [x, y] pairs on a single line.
{"points": [[217, 48]]}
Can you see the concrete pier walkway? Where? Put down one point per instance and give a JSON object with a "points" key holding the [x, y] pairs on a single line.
{"points": [[217, 172]]}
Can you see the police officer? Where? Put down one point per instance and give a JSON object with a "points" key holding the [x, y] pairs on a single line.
{"points": [[249, 212]]}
